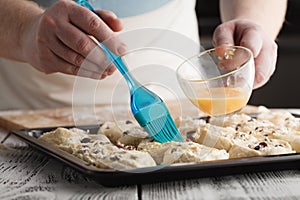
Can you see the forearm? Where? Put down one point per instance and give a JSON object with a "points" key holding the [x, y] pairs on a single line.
{"points": [[15, 15], [269, 14]]}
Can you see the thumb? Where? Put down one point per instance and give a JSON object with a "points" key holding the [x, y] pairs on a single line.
{"points": [[224, 34]]}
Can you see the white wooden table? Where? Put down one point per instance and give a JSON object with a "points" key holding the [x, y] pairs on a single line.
{"points": [[28, 174]]}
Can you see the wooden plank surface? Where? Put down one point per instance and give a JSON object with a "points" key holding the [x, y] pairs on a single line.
{"points": [[267, 185]]}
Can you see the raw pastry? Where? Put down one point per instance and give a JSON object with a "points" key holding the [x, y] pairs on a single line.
{"points": [[97, 149], [187, 126], [124, 145], [123, 133], [269, 125], [181, 152], [281, 118]]}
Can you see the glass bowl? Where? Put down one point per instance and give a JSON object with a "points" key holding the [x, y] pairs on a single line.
{"points": [[218, 81]]}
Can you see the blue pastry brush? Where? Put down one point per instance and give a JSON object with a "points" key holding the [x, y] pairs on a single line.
{"points": [[148, 108]]}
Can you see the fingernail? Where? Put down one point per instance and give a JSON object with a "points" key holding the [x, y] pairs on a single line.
{"points": [[104, 73], [121, 50], [110, 70], [221, 66], [113, 15]]}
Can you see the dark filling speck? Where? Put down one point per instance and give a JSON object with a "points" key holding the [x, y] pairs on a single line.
{"points": [[263, 144], [173, 150], [114, 158], [85, 140], [191, 132], [96, 151], [133, 157], [125, 133], [208, 118], [257, 147], [130, 147]]}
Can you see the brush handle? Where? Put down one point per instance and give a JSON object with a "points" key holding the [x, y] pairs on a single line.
{"points": [[117, 60]]}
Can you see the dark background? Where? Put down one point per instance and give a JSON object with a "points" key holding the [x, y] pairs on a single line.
{"points": [[283, 89]]}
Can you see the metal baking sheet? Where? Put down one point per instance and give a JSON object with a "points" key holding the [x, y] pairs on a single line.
{"points": [[159, 173]]}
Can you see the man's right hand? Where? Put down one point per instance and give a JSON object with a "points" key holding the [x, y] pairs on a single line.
{"points": [[59, 39]]}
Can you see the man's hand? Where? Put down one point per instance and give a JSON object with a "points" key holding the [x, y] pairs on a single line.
{"points": [[59, 40], [250, 35]]}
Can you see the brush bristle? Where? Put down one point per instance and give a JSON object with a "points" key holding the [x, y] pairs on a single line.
{"points": [[163, 129]]}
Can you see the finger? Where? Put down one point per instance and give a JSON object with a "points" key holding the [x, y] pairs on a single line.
{"points": [[84, 46], [97, 56], [88, 46], [56, 64], [91, 67], [252, 40], [265, 65], [102, 60], [67, 68], [115, 45], [274, 54], [221, 50], [93, 25], [64, 52], [111, 69], [224, 34], [74, 38], [73, 57], [234, 58], [88, 74], [90, 23], [110, 19]]}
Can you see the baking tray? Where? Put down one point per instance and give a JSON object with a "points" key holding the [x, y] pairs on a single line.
{"points": [[108, 177]]}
